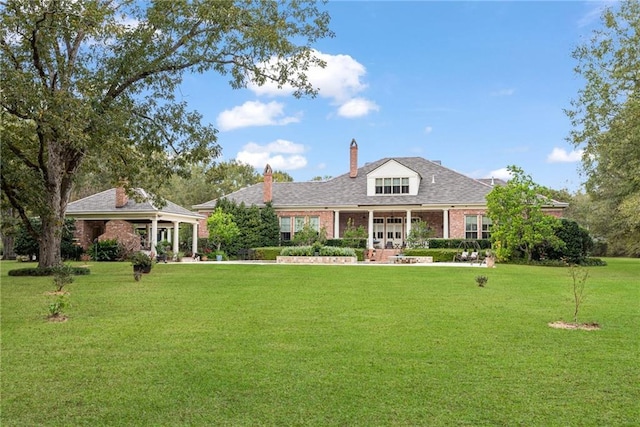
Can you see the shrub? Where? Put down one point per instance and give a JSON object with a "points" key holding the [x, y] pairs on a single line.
{"points": [[482, 280], [267, 254], [62, 275], [39, 272], [106, 250], [577, 244], [457, 243]]}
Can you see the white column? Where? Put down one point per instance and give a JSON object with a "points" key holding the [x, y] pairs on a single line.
{"points": [[194, 239], [408, 224], [370, 231], [154, 234], [336, 224], [176, 236], [445, 223]]}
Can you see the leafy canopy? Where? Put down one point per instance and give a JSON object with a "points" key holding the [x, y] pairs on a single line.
{"points": [[605, 123], [518, 221], [94, 85], [222, 228]]}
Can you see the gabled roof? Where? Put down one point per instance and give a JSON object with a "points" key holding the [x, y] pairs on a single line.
{"points": [[439, 186], [104, 204]]}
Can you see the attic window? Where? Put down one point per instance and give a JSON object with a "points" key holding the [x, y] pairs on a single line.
{"points": [[392, 185]]}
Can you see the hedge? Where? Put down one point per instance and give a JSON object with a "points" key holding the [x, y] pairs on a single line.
{"points": [[439, 255], [267, 254], [458, 243], [48, 271]]}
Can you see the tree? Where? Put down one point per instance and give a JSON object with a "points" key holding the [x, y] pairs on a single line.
{"points": [[419, 235], [518, 222], [95, 84], [280, 176], [222, 228], [605, 123], [227, 177]]}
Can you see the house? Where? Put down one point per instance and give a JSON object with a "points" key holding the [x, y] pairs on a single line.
{"points": [[385, 196], [135, 222]]}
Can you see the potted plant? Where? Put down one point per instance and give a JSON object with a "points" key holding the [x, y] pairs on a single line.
{"points": [[141, 263], [220, 255]]}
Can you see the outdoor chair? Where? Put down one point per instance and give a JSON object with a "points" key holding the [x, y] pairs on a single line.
{"points": [[464, 256], [473, 256], [389, 245]]}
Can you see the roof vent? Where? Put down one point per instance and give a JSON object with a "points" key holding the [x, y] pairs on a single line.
{"points": [[437, 162], [433, 179]]}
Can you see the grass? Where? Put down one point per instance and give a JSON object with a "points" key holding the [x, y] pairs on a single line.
{"points": [[321, 345]]}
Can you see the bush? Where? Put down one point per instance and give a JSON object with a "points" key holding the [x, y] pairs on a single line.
{"points": [[577, 244], [267, 254], [106, 250], [38, 272], [457, 243]]}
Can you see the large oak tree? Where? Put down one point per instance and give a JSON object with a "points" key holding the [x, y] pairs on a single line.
{"points": [[94, 84]]}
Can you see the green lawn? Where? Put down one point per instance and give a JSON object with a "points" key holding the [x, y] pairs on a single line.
{"points": [[224, 344]]}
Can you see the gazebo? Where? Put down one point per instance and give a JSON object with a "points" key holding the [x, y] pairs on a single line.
{"points": [[135, 222]]}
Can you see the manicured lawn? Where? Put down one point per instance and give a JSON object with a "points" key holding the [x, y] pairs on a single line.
{"points": [[322, 345]]}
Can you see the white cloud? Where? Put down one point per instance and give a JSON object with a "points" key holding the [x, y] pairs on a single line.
{"points": [[428, 130], [503, 92], [560, 155], [501, 173], [254, 113], [280, 154], [357, 107], [340, 81]]}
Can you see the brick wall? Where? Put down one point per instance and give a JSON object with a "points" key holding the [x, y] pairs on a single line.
{"points": [[123, 232], [456, 222], [87, 231], [325, 217]]}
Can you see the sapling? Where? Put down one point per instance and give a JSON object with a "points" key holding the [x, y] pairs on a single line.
{"points": [[579, 276]]}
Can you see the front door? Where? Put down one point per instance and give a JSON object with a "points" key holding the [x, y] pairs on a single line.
{"points": [[394, 232]]}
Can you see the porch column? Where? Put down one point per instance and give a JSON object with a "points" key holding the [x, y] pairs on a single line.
{"points": [[194, 239], [176, 236], [336, 224], [154, 234], [445, 223], [408, 224], [370, 231]]}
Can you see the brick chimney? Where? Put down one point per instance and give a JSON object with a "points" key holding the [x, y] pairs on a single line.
{"points": [[121, 196], [353, 159], [267, 186]]}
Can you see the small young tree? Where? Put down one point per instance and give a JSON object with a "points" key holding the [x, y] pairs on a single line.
{"points": [[519, 224], [419, 235], [308, 236], [222, 228], [579, 276], [352, 235]]}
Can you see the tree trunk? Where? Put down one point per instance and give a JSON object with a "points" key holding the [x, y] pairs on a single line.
{"points": [[7, 247], [60, 168]]}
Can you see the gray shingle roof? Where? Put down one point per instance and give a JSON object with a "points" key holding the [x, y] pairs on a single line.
{"points": [[439, 186], [104, 202]]}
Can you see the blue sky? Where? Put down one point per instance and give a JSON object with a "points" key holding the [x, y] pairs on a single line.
{"points": [[476, 85]]}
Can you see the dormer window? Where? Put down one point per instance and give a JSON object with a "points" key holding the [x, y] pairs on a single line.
{"points": [[392, 185]]}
